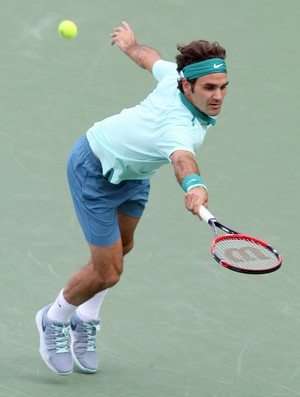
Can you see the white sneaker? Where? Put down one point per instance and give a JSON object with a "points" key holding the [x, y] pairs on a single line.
{"points": [[54, 343], [83, 343]]}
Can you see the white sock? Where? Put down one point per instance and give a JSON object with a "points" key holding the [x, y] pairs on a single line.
{"points": [[90, 309], [61, 310]]}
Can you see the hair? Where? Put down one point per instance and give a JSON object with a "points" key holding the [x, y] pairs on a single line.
{"points": [[197, 51]]}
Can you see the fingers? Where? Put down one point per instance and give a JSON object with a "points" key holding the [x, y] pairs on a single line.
{"points": [[126, 26], [119, 31], [194, 199]]}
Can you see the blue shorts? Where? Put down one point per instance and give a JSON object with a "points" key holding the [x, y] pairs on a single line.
{"points": [[98, 201]]}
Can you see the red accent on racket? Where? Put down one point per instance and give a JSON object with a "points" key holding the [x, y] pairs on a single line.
{"points": [[240, 252]]}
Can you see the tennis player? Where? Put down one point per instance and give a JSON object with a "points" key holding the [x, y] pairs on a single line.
{"points": [[108, 172]]}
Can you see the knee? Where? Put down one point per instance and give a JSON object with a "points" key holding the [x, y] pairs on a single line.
{"points": [[107, 275], [110, 280], [127, 247], [111, 276]]}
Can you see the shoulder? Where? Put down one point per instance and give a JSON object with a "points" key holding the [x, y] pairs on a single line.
{"points": [[162, 68]]}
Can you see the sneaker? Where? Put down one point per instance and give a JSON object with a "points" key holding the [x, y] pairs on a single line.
{"points": [[83, 343], [54, 343]]}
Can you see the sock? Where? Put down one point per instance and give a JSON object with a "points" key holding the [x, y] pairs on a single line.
{"points": [[90, 309], [61, 310]]}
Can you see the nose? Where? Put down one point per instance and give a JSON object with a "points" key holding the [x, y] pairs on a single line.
{"points": [[217, 95]]}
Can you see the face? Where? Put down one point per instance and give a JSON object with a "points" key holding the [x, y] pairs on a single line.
{"points": [[208, 92]]}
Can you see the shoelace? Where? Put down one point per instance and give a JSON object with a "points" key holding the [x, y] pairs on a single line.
{"points": [[91, 330], [61, 337]]}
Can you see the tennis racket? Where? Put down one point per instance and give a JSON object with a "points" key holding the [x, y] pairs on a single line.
{"points": [[240, 252]]}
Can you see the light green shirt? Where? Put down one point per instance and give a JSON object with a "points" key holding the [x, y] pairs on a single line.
{"points": [[135, 143]]}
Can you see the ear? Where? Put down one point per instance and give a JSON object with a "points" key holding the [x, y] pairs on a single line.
{"points": [[186, 86]]}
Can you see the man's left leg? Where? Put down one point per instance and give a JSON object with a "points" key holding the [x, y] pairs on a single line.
{"points": [[85, 322]]}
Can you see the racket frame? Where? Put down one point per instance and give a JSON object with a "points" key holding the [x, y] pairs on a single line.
{"points": [[215, 225]]}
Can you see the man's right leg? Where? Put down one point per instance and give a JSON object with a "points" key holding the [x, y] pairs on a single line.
{"points": [[103, 271]]}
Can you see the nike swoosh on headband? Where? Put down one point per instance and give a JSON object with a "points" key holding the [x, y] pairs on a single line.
{"points": [[218, 66]]}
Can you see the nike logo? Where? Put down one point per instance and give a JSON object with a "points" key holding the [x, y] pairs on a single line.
{"points": [[73, 326], [218, 66], [192, 180], [43, 325]]}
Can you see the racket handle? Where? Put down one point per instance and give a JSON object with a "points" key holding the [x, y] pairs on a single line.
{"points": [[205, 214]]}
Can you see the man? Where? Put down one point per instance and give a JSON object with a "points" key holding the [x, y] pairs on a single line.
{"points": [[108, 172]]}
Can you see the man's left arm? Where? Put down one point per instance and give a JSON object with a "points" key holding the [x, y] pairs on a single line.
{"points": [[141, 54]]}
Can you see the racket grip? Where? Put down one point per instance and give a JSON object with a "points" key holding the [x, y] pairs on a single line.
{"points": [[205, 214]]}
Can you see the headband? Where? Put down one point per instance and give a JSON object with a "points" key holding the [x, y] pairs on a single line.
{"points": [[195, 70]]}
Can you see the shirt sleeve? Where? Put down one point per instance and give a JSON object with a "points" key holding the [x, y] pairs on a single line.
{"points": [[178, 139], [161, 68]]}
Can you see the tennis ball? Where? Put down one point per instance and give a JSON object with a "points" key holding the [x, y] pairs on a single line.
{"points": [[67, 29]]}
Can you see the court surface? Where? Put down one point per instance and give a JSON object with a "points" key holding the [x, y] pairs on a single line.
{"points": [[177, 325]]}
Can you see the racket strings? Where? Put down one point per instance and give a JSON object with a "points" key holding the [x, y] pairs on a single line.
{"points": [[244, 253]]}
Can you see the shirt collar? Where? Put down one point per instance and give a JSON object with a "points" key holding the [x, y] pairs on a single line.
{"points": [[202, 117]]}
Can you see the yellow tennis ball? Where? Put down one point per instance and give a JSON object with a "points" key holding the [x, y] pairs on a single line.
{"points": [[67, 29]]}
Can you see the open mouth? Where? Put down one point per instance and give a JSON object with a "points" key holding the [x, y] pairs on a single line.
{"points": [[215, 105]]}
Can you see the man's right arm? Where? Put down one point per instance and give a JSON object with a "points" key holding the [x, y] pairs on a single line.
{"points": [[143, 55], [184, 163]]}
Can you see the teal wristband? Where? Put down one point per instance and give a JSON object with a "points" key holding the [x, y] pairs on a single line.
{"points": [[191, 181]]}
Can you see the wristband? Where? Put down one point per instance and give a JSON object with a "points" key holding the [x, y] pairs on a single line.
{"points": [[191, 181]]}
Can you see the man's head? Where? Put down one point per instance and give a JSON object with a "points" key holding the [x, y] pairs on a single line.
{"points": [[203, 81]]}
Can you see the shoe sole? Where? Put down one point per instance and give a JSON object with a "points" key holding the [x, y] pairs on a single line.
{"points": [[42, 350]]}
